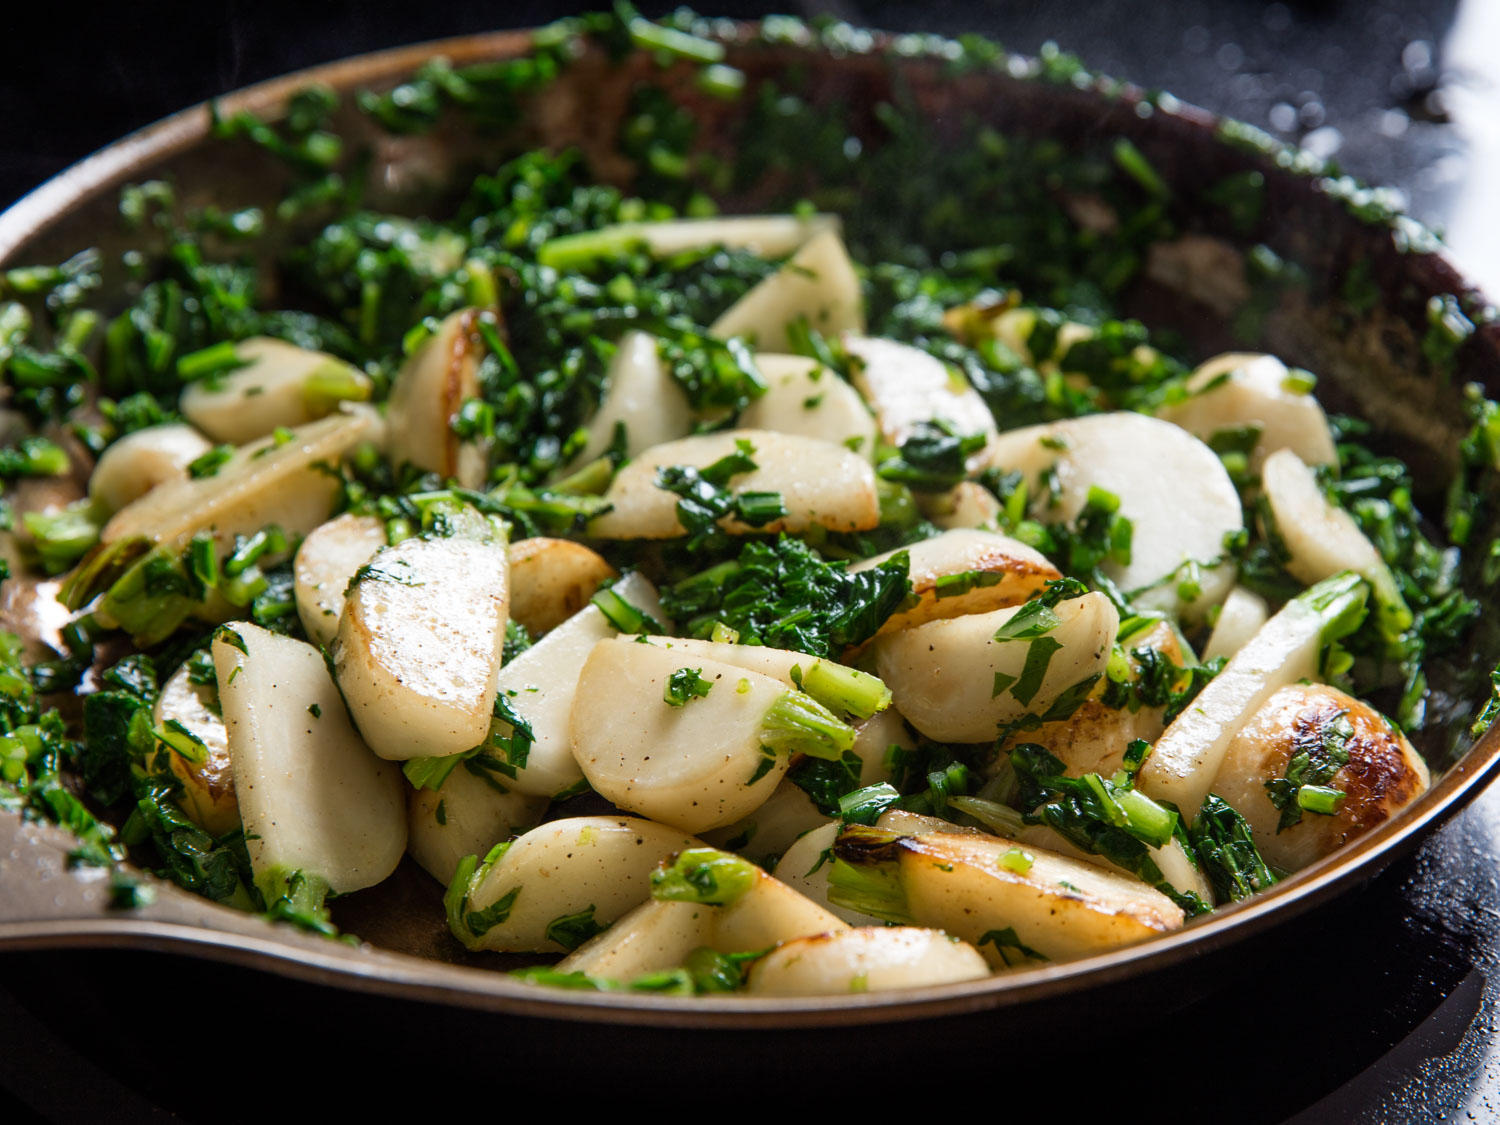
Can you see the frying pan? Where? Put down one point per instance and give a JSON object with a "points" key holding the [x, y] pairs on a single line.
{"points": [[1372, 368]]}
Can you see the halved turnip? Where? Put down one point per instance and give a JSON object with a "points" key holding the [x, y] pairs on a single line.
{"points": [[955, 682], [1187, 757], [966, 504], [641, 396], [427, 394], [1240, 618], [1016, 904], [804, 397], [464, 816], [418, 648], [1172, 487], [281, 385], [817, 283], [594, 867], [1383, 773], [869, 959], [698, 765], [906, 386], [542, 682], [771, 829], [312, 797], [551, 580], [805, 865], [1323, 539], [140, 461], [207, 796], [325, 564], [838, 687], [660, 934], [1093, 739], [820, 484], [1241, 390], [966, 571], [287, 483]]}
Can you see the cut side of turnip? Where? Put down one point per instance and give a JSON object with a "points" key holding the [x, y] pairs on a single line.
{"points": [[1186, 758], [804, 397], [1244, 391], [1323, 539], [418, 648], [820, 485], [426, 395], [956, 682], [1172, 487], [641, 397], [280, 385], [312, 797], [906, 387], [817, 284], [966, 571]]}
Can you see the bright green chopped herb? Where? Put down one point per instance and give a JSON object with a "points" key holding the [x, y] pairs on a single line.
{"points": [[684, 685]]}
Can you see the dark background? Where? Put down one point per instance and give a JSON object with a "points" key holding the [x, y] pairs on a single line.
{"points": [[1379, 1008]]}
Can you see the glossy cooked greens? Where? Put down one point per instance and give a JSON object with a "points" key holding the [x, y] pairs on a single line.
{"points": [[370, 288]]}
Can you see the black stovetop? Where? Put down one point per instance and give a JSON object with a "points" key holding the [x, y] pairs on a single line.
{"points": [[1380, 1007]]}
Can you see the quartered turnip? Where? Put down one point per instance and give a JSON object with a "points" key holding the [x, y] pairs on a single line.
{"points": [[820, 485], [325, 564], [1188, 756], [906, 387], [956, 682], [661, 934], [766, 236], [427, 394], [273, 481], [541, 683], [965, 571], [312, 797], [464, 816], [1254, 392], [280, 384], [140, 461], [700, 764], [966, 504], [201, 760], [418, 647], [817, 284], [804, 397], [1240, 618], [1172, 487], [1323, 539], [641, 397], [1019, 905], [869, 959], [594, 867]]}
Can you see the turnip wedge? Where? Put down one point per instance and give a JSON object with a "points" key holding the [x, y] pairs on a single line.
{"points": [[275, 384], [569, 873], [1187, 757], [419, 645], [701, 897], [739, 481], [1017, 904], [692, 742], [321, 812], [818, 284]]}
